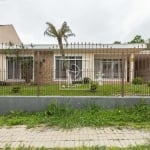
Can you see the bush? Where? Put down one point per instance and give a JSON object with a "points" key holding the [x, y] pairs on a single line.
{"points": [[77, 82], [137, 80], [59, 110], [15, 89], [3, 83], [148, 83], [93, 87], [86, 80]]}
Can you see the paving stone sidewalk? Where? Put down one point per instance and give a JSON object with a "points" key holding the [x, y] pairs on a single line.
{"points": [[48, 137]]}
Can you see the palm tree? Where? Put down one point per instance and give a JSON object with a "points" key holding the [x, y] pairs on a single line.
{"points": [[61, 34]]}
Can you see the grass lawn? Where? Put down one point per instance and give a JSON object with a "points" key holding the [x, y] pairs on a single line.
{"points": [[92, 116], [143, 147], [104, 90]]}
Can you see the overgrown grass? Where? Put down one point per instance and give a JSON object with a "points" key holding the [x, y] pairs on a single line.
{"points": [[104, 90], [92, 116], [143, 147]]}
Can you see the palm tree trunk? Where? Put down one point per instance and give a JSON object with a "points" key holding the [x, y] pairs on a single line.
{"points": [[65, 63]]}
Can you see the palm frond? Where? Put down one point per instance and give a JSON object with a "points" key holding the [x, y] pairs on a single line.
{"points": [[49, 34], [51, 30], [65, 28], [65, 32], [61, 34], [69, 34]]}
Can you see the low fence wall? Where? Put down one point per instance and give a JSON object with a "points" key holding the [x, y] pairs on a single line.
{"points": [[33, 103]]}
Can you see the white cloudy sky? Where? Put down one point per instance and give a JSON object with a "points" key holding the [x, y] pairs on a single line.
{"points": [[97, 21]]}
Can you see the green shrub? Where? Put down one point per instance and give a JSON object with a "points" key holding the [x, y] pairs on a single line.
{"points": [[77, 82], [55, 109], [137, 80], [148, 83], [94, 86], [15, 89], [86, 80]]}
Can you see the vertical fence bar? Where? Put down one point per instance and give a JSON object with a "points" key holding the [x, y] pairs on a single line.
{"points": [[122, 75], [38, 73]]}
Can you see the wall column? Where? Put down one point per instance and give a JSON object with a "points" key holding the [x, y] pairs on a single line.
{"points": [[131, 68]]}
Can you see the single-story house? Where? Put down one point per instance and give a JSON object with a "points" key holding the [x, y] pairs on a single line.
{"points": [[43, 62]]}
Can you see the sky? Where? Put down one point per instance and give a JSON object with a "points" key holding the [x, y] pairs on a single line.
{"points": [[94, 21]]}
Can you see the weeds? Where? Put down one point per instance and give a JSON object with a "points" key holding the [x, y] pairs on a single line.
{"points": [[15, 89], [64, 116]]}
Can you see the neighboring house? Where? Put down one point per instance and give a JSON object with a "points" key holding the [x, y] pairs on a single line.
{"points": [[9, 35], [9, 40], [117, 62]]}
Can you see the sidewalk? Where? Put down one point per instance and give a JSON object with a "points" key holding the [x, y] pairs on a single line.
{"points": [[48, 137]]}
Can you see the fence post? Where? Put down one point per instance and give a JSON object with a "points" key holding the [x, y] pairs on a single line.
{"points": [[122, 75], [38, 72]]}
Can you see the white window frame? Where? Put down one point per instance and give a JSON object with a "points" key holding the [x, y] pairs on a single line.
{"points": [[54, 72], [13, 56], [112, 62]]}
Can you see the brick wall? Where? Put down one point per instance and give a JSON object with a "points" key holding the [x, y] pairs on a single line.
{"points": [[44, 65]]}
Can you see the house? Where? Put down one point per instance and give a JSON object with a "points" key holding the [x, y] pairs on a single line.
{"points": [[44, 64], [115, 62], [9, 35]]}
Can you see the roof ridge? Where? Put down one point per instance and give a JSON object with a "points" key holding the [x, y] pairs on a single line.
{"points": [[6, 25]]}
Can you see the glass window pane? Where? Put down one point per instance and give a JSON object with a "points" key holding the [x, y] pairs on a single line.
{"points": [[10, 68], [111, 68], [107, 69], [116, 70], [20, 68], [16, 69], [79, 69], [75, 67], [60, 69]]}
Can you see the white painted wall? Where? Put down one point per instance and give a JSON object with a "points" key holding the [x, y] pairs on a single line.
{"points": [[2, 67]]}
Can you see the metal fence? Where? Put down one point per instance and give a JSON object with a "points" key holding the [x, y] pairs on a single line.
{"points": [[85, 70]]}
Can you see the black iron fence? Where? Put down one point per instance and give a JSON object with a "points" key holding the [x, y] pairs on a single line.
{"points": [[85, 70]]}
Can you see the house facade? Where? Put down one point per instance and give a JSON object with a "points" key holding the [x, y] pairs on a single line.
{"points": [[44, 63]]}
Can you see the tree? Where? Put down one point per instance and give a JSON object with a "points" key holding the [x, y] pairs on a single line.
{"points": [[137, 39], [117, 42], [60, 34], [148, 41]]}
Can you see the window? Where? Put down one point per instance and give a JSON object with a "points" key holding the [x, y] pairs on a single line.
{"points": [[74, 64], [19, 67], [111, 68]]}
